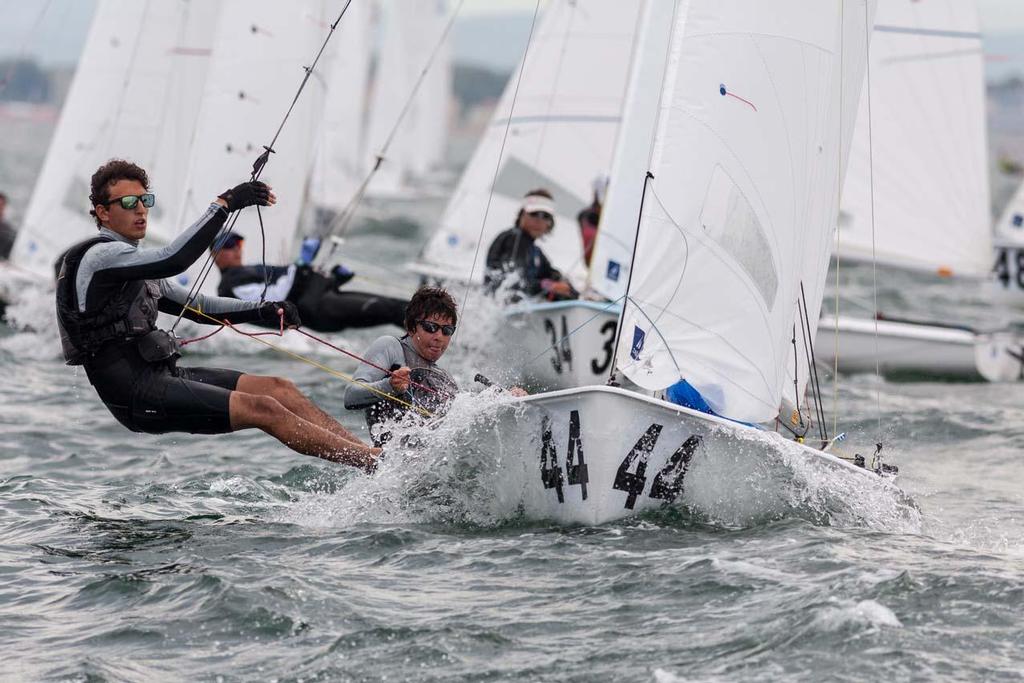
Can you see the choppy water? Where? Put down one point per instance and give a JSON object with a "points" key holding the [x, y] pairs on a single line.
{"points": [[126, 557]]}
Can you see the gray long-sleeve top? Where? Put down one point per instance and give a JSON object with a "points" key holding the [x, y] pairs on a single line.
{"points": [[385, 352]]}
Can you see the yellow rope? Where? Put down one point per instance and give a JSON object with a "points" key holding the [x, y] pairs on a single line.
{"points": [[330, 371]]}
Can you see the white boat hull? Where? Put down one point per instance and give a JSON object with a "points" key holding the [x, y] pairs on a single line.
{"points": [[918, 350], [564, 344], [597, 454]]}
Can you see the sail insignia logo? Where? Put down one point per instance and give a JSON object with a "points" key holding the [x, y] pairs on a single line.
{"points": [[613, 270], [1018, 220], [638, 343]]}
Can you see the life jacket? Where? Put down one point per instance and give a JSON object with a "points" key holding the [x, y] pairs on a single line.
{"points": [[438, 380], [128, 314]]}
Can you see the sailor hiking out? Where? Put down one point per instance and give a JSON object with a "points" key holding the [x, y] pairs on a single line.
{"points": [[109, 291]]}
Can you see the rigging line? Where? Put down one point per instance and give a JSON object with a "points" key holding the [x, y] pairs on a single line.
{"points": [[819, 411], [871, 185], [796, 371], [257, 169], [19, 55], [813, 367], [839, 195], [256, 336], [501, 153], [648, 176], [575, 330], [340, 224]]}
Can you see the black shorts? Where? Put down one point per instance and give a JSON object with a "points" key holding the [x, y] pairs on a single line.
{"points": [[162, 397]]}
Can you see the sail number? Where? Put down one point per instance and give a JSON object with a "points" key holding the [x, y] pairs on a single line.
{"points": [[561, 349], [631, 475], [1009, 267]]}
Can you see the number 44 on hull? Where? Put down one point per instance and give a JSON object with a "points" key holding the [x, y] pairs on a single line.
{"points": [[598, 454]]}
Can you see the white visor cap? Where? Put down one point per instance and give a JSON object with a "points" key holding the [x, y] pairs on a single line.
{"points": [[537, 202]]}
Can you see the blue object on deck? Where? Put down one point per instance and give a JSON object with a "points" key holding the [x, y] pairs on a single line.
{"points": [[682, 393]]}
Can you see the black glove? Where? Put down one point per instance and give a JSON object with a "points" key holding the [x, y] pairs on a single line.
{"points": [[341, 274], [246, 194], [269, 312]]}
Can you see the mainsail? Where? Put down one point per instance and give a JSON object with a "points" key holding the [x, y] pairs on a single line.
{"points": [[746, 165], [926, 137], [561, 136], [135, 95]]}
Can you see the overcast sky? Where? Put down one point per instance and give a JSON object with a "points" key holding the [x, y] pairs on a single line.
{"points": [[53, 30]]}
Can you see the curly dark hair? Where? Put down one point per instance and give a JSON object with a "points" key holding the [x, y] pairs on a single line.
{"points": [[108, 174], [428, 301]]}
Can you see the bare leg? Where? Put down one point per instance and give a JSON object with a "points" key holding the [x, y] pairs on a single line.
{"points": [[299, 434], [288, 395]]}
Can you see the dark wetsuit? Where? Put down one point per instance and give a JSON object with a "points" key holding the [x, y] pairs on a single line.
{"points": [[7, 236], [514, 253], [321, 306], [144, 394]]}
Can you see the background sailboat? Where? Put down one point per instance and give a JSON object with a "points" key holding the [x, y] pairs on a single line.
{"points": [[916, 196]]}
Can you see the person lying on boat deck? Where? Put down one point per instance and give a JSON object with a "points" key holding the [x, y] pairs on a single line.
{"points": [[109, 291], [514, 256], [7, 231], [321, 305], [414, 377]]}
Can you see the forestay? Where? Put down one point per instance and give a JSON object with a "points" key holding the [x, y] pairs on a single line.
{"points": [[135, 96], [927, 137], [561, 136], [339, 167], [256, 67], [746, 166]]}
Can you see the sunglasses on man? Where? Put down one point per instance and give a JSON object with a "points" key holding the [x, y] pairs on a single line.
{"points": [[431, 327], [130, 201], [543, 215]]}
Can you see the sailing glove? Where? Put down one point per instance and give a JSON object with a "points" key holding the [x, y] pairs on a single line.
{"points": [[269, 312], [246, 194], [341, 274]]}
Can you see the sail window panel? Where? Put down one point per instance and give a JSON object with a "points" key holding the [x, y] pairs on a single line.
{"points": [[727, 217]]}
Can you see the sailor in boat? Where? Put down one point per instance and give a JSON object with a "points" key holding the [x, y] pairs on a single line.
{"points": [[588, 219], [406, 367], [515, 262], [320, 302], [109, 291], [7, 231]]}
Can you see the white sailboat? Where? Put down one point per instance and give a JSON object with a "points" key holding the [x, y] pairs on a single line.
{"points": [[754, 119], [135, 95], [255, 68], [562, 125], [411, 34], [916, 196]]}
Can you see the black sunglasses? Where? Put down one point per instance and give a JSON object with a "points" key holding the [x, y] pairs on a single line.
{"points": [[130, 201], [542, 214], [431, 327]]}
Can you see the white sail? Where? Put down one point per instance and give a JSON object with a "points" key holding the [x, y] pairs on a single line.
{"points": [[410, 33], [560, 137], [746, 168], [340, 167], [256, 67], [135, 95], [927, 139], [613, 249]]}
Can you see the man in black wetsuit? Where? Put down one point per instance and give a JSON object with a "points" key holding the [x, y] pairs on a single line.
{"points": [[7, 232], [109, 291], [514, 260], [322, 306]]}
